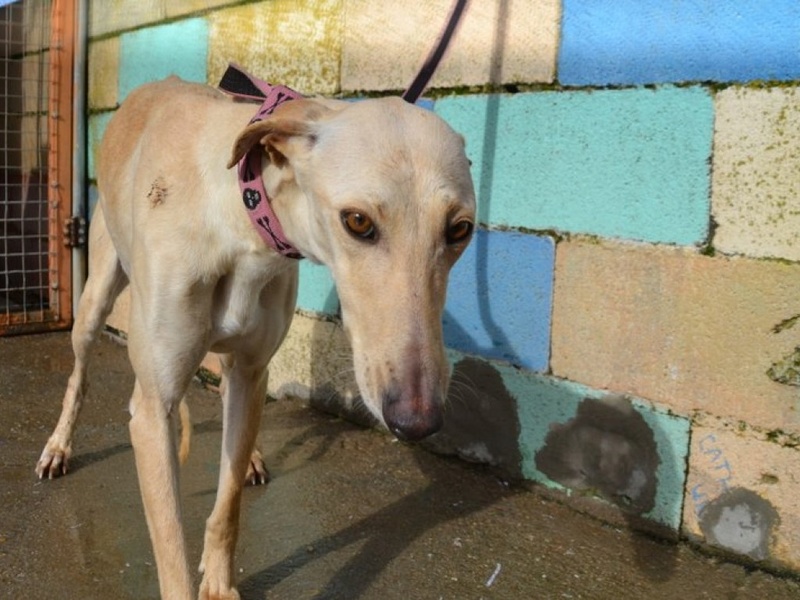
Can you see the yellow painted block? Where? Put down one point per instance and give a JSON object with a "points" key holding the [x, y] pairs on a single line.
{"points": [[293, 43], [36, 21], [755, 184], [497, 42], [106, 16], [314, 360], [743, 493], [686, 331], [35, 83], [33, 140], [103, 73]]}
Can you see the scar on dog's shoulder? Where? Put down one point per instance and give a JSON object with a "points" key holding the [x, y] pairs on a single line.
{"points": [[158, 192]]}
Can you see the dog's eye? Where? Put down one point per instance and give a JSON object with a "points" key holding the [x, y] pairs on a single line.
{"points": [[458, 231], [358, 224]]}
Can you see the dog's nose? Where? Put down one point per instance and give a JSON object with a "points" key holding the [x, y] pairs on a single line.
{"points": [[412, 419]]}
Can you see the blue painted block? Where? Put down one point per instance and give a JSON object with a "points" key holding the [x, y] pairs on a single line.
{"points": [[151, 54], [554, 412], [316, 291], [499, 299], [628, 163], [624, 42]]}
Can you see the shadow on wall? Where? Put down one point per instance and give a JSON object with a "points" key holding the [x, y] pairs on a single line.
{"points": [[481, 422]]}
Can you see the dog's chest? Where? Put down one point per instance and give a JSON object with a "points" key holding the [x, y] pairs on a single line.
{"points": [[255, 301]]}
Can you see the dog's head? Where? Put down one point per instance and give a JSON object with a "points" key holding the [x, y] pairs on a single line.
{"points": [[379, 191]]}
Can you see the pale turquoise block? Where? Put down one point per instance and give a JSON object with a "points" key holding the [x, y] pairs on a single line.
{"points": [[544, 402], [151, 54], [316, 291], [628, 164]]}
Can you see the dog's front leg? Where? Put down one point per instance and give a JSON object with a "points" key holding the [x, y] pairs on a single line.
{"points": [[152, 436], [243, 399], [105, 282]]}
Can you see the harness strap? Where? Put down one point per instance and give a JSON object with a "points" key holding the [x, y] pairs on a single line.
{"points": [[240, 84]]}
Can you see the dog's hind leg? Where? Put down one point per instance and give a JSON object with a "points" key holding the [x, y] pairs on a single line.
{"points": [[242, 404], [106, 280], [257, 472]]}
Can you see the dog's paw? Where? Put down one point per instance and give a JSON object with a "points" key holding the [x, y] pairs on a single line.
{"points": [[53, 462], [257, 473], [209, 591]]}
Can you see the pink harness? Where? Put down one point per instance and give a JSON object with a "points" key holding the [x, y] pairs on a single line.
{"points": [[238, 83]]}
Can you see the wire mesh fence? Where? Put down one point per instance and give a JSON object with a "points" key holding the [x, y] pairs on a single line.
{"points": [[31, 251]]}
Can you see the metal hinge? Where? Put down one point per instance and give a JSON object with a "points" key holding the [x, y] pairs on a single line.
{"points": [[74, 232]]}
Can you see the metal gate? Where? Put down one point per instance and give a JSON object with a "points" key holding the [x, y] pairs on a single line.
{"points": [[36, 76]]}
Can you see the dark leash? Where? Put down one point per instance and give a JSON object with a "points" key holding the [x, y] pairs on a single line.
{"points": [[237, 82], [420, 82]]}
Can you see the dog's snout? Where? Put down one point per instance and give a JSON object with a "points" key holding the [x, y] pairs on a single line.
{"points": [[412, 419]]}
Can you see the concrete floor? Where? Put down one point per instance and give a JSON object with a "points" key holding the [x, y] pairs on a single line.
{"points": [[349, 513]]}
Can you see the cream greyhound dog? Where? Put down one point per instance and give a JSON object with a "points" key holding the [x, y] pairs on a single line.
{"points": [[378, 190]]}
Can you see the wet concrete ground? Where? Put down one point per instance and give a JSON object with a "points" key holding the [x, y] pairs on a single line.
{"points": [[348, 514]]}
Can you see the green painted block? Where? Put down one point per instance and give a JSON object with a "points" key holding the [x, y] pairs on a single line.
{"points": [[154, 53], [316, 291]]}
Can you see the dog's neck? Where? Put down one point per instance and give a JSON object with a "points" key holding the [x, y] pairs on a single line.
{"points": [[258, 203]]}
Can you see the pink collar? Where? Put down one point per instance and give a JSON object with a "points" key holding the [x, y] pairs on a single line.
{"points": [[237, 82]]}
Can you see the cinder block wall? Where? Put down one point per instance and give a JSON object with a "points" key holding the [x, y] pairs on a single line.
{"points": [[621, 328]]}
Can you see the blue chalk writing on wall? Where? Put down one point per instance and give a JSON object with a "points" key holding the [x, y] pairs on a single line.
{"points": [[720, 468]]}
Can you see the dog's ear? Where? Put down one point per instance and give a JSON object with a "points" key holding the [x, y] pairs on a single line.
{"points": [[291, 122]]}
